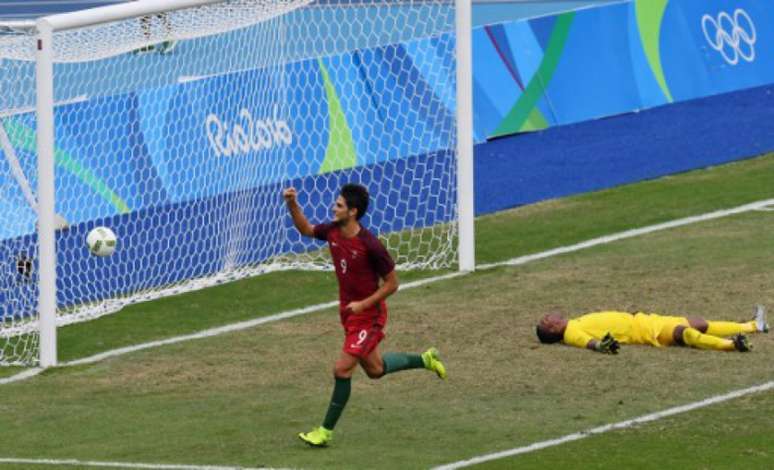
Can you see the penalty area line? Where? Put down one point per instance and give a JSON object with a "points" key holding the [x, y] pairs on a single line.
{"points": [[607, 427], [754, 206]]}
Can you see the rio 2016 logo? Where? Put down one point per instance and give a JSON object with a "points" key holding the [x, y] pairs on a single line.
{"points": [[246, 135], [732, 36]]}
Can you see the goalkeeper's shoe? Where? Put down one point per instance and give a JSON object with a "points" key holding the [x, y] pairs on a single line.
{"points": [[741, 343], [318, 437], [760, 319], [433, 362]]}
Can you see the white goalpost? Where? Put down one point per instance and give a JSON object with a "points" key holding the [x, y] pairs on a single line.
{"points": [[176, 124], [464, 95]]}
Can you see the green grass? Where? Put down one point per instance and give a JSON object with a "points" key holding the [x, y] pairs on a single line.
{"points": [[734, 434], [240, 398], [498, 237]]}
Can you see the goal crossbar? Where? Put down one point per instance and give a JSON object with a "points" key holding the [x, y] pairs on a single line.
{"points": [[47, 26], [110, 13]]}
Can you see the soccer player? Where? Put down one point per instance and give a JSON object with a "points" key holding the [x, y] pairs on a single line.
{"points": [[604, 331], [361, 261]]}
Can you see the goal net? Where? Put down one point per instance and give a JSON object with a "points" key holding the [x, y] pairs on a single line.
{"points": [[179, 130]]}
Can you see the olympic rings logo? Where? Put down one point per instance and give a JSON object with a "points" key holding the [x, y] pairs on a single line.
{"points": [[732, 36]]}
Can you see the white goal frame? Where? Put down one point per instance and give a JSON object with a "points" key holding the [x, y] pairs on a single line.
{"points": [[47, 26]]}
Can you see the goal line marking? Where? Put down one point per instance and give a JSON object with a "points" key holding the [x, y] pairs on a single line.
{"points": [[521, 260]]}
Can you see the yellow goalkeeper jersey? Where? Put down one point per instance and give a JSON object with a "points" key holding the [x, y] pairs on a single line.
{"points": [[627, 328]]}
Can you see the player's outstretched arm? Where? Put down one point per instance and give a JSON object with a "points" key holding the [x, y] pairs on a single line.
{"points": [[299, 219]]}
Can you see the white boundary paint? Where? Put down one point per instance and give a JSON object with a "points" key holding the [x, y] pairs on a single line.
{"points": [[88, 463], [608, 427], [21, 376], [755, 206]]}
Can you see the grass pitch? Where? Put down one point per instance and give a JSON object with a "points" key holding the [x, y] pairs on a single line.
{"points": [[239, 399], [733, 434]]}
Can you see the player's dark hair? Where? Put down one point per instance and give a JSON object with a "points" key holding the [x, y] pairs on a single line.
{"points": [[356, 197], [547, 337]]}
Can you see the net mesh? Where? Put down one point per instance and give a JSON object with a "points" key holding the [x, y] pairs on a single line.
{"points": [[179, 131]]}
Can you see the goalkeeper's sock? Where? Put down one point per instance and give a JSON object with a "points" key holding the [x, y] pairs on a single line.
{"points": [[693, 337], [341, 391], [729, 328], [394, 362]]}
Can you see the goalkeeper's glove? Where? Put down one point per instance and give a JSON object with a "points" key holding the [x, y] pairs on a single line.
{"points": [[608, 345]]}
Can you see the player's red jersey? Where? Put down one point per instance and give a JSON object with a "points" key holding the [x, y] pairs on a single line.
{"points": [[359, 261]]}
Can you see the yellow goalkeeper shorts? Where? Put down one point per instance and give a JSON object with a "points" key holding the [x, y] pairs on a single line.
{"points": [[657, 330]]}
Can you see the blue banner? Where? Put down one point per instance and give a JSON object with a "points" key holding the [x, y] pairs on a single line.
{"points": [[157, 155], [598, 62]]}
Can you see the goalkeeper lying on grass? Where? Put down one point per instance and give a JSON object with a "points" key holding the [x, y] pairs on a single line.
{"points": [[605, 331]]}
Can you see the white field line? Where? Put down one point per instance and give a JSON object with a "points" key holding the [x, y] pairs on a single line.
{"points": [[236, 326], [754, 206], [21, 376], [608, 427], [202, 334], [316, 308], [88, 463]]}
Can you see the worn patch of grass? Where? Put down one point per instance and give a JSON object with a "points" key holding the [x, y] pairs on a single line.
{"points": [[733, 434], [499, 236], [241, 398]]}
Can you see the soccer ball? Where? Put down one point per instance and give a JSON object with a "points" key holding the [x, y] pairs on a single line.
{"points": [[101, 241]]}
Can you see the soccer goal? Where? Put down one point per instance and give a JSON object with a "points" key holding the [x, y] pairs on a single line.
{"points": [[177, 124]]}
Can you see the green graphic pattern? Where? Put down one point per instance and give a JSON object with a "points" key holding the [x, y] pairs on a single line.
{"points": [[23, 138], [649, 15], [340, 153], [523, 115], [535, 121]]}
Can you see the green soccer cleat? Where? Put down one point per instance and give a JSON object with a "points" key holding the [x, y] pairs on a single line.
{"points": [[318, 437], [433, 362], [741, 343]]}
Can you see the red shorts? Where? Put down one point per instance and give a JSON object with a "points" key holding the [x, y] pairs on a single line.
{"points": [[360, 342], [363, 333]]}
